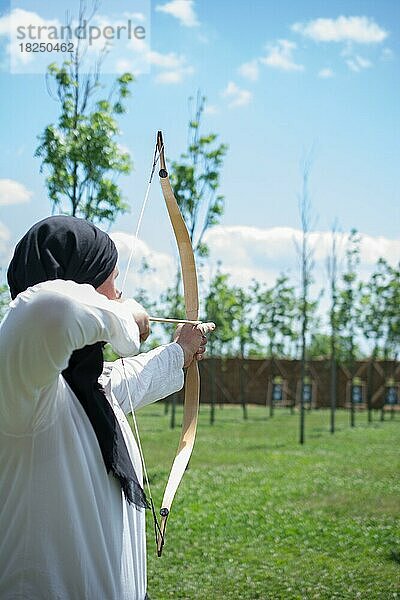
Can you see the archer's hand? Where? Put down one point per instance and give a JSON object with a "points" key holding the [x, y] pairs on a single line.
{"points": [[193, 340], [141, 317]]}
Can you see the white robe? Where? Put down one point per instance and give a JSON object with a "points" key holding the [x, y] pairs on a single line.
{"points": [[66, 532]]}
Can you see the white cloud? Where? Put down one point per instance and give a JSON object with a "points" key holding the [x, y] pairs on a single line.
{"points": [[174, 67], [357, 63], [326, 73], [136, 16], [183, 10], [171, 67], [123, 66], [280, 56], [175, 76], [94, 43], [211, 109], [13, 192], [20, 18], [238, 97], [249, 253], [166, 61], [253, 253], [361, 30], [162, 266], [250, 70]]}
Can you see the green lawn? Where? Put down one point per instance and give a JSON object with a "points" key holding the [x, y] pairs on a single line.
{"points": [[259, 516]]}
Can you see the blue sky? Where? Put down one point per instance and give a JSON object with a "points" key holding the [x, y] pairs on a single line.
{"points": [[280, 79]]}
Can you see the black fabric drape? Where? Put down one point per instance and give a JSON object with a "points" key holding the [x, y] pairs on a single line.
{"points": [[69, 248]]}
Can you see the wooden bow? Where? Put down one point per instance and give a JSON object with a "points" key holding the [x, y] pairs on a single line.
{"points": [[192, 382]]}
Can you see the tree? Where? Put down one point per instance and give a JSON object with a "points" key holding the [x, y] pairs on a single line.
{"points": [[232, 309], [332, 268], [348, 308], [320, 346], [195, 181], [80, 154], [379, 314], [306, 265], [220, 307], [244, 328], [276, 307], [276, 314], [379, 317]]}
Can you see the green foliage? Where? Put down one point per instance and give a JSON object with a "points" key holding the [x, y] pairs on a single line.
{"points": [[220, 308], [348, 301], [304, 306], [4, 299], [195, 181], [276, 314], [233, 310], [321, 344], [80, 154], [379, 314], [259, 517], [244, 325]]}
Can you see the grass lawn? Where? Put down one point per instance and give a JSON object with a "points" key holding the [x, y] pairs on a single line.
{"points": [[259, 516]]}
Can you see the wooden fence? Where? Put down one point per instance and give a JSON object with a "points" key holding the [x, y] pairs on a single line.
{"points": [[255, 381]]}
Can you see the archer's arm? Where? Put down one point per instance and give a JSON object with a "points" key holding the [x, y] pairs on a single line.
{"points": [[44, 325], [150, 376]]}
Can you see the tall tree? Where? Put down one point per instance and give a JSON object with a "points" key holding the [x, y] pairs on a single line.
{"points": [[276, 311], [80, 153], [195, 180], [220, 308], [276, 314], [380, 319], [243, 326], [305, 254], [332, 268], [348, 313]]}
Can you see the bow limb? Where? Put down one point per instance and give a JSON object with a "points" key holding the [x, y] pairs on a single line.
{"points": [[192, 383]]}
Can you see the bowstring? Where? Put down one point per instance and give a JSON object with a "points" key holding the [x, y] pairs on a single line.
{"points": [[157, 528], [156, 158]]}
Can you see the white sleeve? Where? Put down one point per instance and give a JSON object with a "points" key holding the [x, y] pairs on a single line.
{"points": [[149, 377], [45, 324]]}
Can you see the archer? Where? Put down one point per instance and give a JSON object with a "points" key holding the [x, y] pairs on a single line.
{"points": [[72, 505]]}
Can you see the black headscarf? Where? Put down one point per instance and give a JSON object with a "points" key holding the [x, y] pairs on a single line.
{"points": [[73, 249]]}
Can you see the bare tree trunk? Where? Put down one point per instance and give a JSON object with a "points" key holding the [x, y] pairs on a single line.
{"points": [[369, 387], [306, 266], [213, 391], [272, 377], [241, 389], [352, 404], [333, 391], [332, 274]]}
